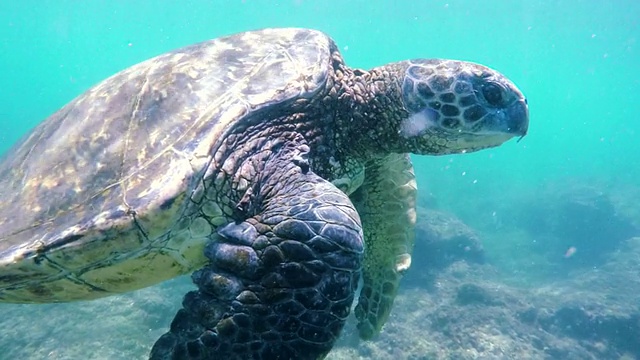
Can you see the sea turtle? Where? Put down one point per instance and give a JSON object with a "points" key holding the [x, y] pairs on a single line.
{"points": [[258, 160]]}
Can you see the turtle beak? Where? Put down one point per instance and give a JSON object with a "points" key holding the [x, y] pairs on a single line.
{"points": [[511, 121], [518, 118]]}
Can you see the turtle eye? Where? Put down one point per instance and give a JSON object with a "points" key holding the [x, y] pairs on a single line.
{"points": [[492, 93]]}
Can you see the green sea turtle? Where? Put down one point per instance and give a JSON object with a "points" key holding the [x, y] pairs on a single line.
{"points": [[258, 160]]}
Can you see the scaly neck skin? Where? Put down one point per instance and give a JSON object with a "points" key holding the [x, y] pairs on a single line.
{"points": [[370, 112]]}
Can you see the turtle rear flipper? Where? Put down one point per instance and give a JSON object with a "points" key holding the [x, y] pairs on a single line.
{"points": [[295, 267]]}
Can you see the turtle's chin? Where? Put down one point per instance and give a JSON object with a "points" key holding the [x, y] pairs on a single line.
{"points": [[448, 142], [471, 142]]}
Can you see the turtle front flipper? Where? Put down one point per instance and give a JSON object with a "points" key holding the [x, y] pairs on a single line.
{"points": [[281, 283], [386, 202]]}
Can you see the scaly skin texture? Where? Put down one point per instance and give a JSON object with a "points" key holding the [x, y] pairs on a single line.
{"points": [[245, 155], [386, 203], [368, 160], [124, 186], [281, 283], [431, 107]]}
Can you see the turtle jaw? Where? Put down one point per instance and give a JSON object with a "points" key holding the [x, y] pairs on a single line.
{"points": [[440, 143], [473, 142], [519, 111], [513, 120]]}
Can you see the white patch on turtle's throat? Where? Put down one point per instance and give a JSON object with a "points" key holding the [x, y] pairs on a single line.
{"points": [[418, 123]]}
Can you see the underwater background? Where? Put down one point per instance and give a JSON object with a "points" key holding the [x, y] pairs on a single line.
{"points": [[525, 251]]}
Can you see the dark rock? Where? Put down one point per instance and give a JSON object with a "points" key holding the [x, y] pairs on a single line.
{"points": [[469, 313], [472, 294], [576, 216], [441, 239], [599, 306], [528, 316]]}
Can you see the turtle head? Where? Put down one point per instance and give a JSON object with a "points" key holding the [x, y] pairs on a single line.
{"points": [[456, 106]]}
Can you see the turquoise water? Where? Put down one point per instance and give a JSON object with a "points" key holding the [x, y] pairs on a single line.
{"points": [[576, 61]]}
